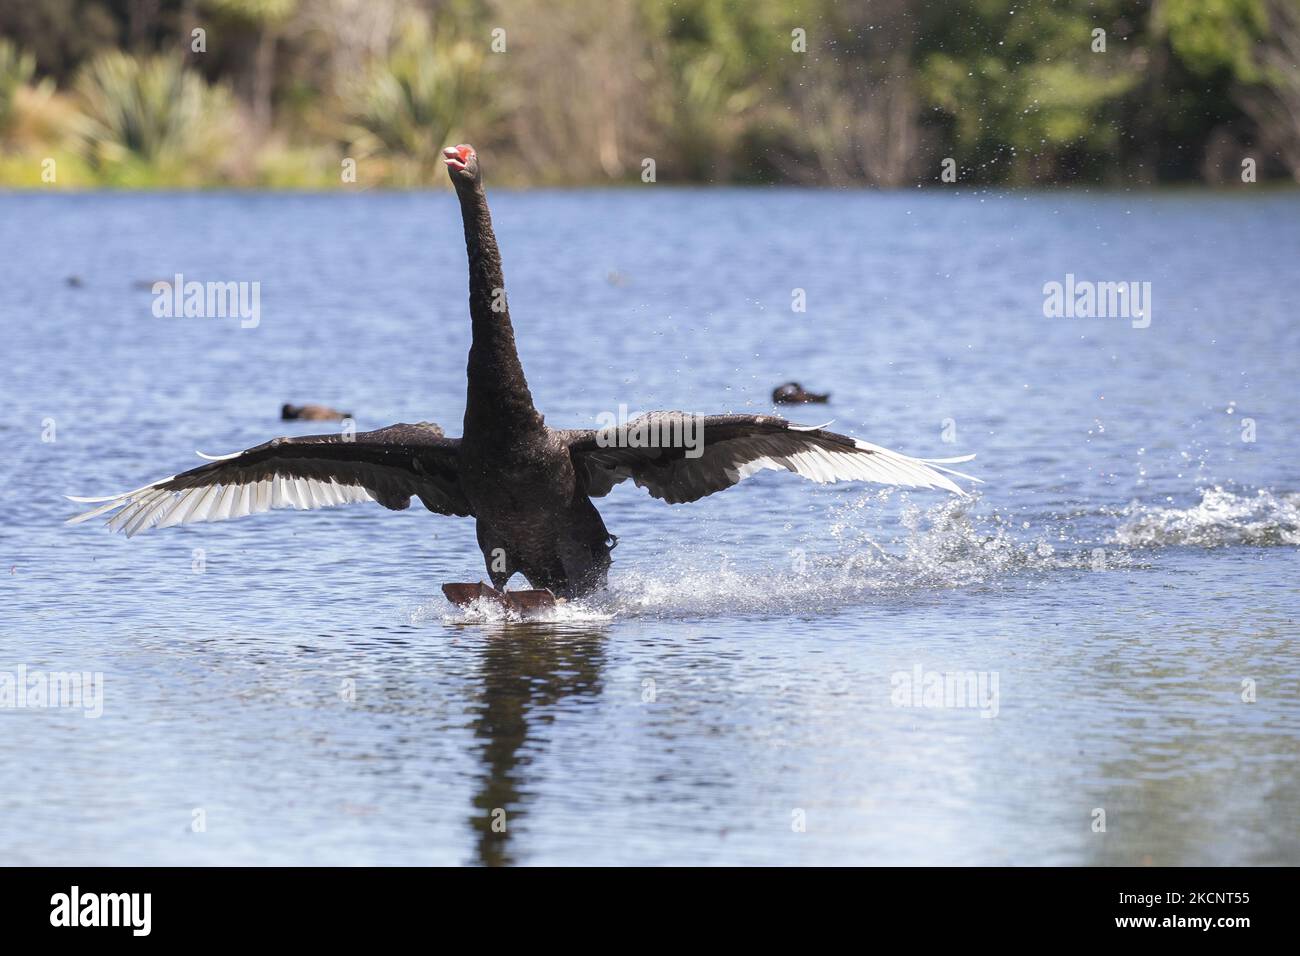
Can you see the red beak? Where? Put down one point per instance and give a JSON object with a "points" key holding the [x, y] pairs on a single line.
{"points": [[458, 157]]}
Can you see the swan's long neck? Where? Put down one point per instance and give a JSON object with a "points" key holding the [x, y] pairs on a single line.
{"points": [[497, 399]]}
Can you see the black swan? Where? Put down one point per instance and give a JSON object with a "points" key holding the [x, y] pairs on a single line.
{"points": [[528, 487], [311, 413], [792, 393]]}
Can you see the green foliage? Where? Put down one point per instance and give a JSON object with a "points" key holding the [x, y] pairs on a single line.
{"points": [[1023, 91], [413, 103], [260, 12], [16, 71], [711, 88], [1211, 35], [148, 119]]}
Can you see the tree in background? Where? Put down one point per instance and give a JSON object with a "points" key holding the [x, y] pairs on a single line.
{"points": [[412, 101], [854, 112], [875, 92], [710, 82], [265, 18], [1253, 48], [16, 71], [144, 118], [1020, 93], [1274, 101]]}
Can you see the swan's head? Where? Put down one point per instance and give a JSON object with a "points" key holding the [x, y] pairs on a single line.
{"points": [[462, 163]]}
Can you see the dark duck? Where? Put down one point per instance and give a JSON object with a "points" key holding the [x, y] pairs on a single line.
{"points": [[311, 413], [792, 393], [529, 488]]}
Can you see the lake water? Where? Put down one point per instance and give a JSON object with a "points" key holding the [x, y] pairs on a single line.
{"points": [[292, 688]]}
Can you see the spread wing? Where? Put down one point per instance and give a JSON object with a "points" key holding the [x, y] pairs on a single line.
{"points": [[680, 457], [388, 465]]}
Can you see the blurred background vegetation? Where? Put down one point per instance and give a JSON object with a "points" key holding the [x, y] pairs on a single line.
{"points": [[282, 93]]}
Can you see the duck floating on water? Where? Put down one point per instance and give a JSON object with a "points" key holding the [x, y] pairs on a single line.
{"points": [[792, 393], [311, 413], [529, 488]]}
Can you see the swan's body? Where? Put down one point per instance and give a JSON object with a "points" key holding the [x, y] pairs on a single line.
{"points": [[529, 487]]}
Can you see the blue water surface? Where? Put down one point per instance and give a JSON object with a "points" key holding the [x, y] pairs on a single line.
{"points": [[292, 688]]}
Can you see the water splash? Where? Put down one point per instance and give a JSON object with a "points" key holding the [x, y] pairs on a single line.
{"points": [[579, 614], [959, 543], [1220, 519], [947, 546]]}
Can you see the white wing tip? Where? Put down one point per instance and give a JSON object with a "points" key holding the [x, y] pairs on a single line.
{"points": [[124, 494], [932, 470], [217, 457], [937, 464]]}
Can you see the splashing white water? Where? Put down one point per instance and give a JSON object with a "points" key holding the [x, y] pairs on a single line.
{"points": [[483, 611], [943, 547], [1220, 519], [955, 544]]}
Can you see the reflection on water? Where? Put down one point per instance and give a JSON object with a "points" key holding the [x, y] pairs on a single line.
{"points": [[525, 672]]}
